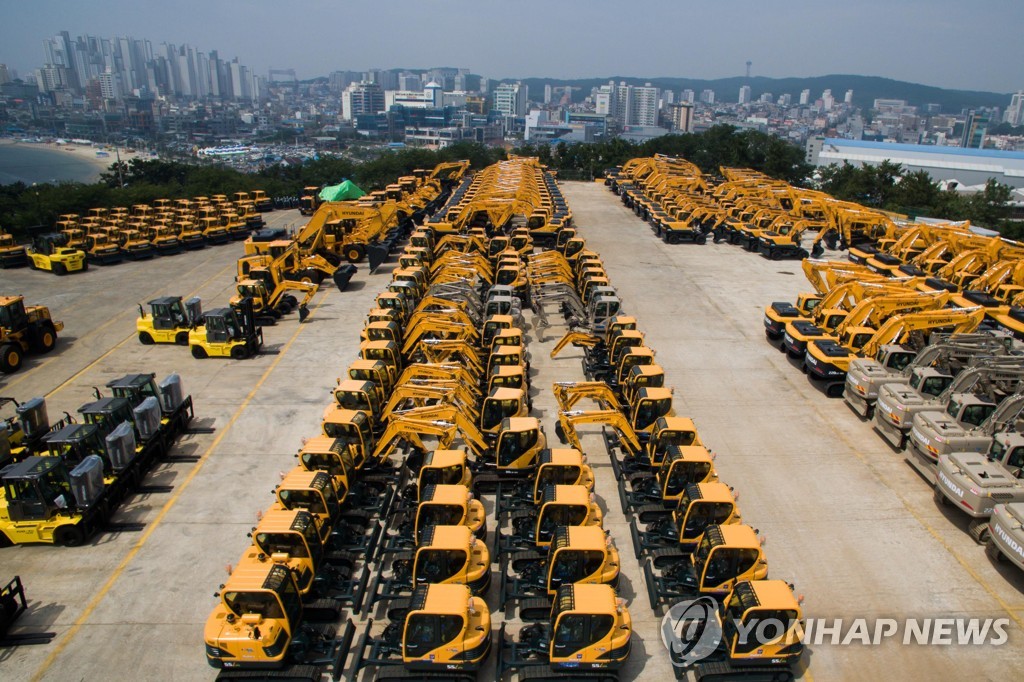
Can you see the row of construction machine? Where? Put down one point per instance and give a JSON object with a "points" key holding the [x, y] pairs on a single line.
{"points": [[668, 193], [940, 382], [518, 193], [107, 236], [368, 229], [62, 482], [436, 407], [685, 524]]}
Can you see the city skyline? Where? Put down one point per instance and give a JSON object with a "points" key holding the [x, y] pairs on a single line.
{"points": [[570, 40]]}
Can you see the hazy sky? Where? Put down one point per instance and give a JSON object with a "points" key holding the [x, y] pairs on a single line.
{"points": [[948, 43]]}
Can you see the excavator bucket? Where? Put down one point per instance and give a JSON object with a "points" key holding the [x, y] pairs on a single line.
{"points": [[376, 255], [303, 313], [343, 274]]}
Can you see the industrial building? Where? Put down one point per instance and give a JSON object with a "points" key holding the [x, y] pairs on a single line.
{"points": [[966, 166]]}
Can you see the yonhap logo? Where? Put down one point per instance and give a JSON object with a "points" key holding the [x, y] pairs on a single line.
{"points": [[691, 630]]}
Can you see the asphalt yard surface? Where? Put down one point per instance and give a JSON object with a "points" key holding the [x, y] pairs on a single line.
{"points": [[846, 519]]}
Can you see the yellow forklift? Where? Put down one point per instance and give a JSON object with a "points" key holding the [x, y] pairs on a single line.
{"points": [[227, 333], [169, 320], [49, 252]]}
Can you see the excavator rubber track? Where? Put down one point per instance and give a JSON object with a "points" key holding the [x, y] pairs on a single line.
{"points": [[722, 671]]}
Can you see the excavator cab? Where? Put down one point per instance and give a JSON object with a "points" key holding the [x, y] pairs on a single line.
{"points": [[396, 301], [759, 601], [288, 538], [385, 351], [501, 404], [669, 433], [561, 466], [564, 505], [350, 428], [650, 404], [508, 376], [445, 467], [520, 441], [376, 372], [316, 492], [581, 555], [256, 620], [639, 377], [446, 630], [622, 340], [505, 355], [511, 336], [332, 456], [452, 554], [493, 325], [383, 331], [449, 505], [352, 394], [724, 556], [681, 466], [702, 505], [633, 355], [381, 315]]}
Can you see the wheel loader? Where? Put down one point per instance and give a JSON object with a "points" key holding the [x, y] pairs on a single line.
{"points": [[12, 254], [24, 329], [762, 628], [673, 533], [1006, 534], [587, 636], [577, 555], [446, 555], [725, 555], [260, 625], [975, 482], [442, 632], [49, 252], [227, 333]]}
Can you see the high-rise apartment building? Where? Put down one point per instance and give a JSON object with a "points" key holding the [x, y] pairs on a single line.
{"points": [[361, 98], [744, 95]]}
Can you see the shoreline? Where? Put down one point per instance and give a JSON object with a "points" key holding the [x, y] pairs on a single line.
{"points": [[86, 154]]}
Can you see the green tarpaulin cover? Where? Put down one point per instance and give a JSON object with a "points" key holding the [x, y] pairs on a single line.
{"points": [[343, 192]]}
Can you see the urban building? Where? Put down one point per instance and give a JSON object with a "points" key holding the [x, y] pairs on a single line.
{"points": [[681, 116], [805, 97], [363, 98], [430, 97], [1014, 114], [707, 96], [974, 130], [510, 99], [744, 95]]}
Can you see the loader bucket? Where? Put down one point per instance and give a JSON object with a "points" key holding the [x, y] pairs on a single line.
{"points": [[343, 275], [376, 255], [303, 313]]}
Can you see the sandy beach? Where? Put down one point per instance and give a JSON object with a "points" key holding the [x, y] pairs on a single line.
{"points": [[48, 159]]}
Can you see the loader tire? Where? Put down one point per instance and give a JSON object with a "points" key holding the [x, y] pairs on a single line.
{"points": [[69, 536], [354, 253], [198, 352], [145, 339], [10, 358], [47, 338], [181, 338]]}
